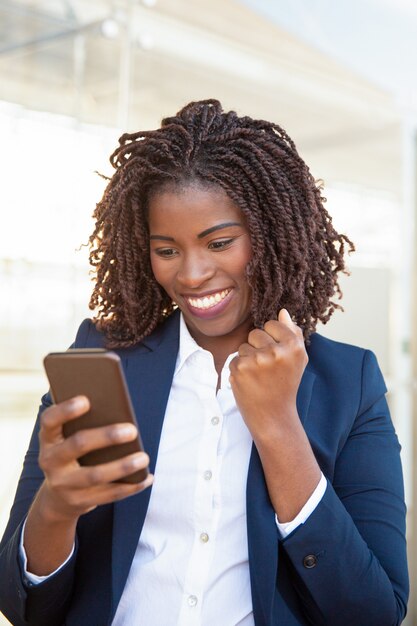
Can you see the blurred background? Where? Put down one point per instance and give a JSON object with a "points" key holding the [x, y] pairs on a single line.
{"points": [[339, 77]]}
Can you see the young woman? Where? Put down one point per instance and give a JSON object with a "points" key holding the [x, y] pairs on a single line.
{"points": [[277, 498]]}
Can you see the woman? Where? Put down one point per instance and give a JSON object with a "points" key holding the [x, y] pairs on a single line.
{"points": [[278, 494]]}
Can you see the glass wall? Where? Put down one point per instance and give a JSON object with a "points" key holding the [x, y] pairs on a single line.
{"points": [[74, 75]]}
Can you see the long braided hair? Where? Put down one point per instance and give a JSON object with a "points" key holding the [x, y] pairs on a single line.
{"points": [[297, 253]]}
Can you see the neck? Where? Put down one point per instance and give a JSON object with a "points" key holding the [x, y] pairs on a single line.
{"points": [[222, 347]]}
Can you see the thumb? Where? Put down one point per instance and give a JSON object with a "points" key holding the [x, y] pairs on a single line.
{"points": [[285, 318]]}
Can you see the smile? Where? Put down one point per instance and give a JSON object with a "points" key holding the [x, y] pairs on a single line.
{"points": [[208, 301]]}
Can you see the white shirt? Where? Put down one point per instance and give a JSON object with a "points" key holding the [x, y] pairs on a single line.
{"points": [[191, 564]]}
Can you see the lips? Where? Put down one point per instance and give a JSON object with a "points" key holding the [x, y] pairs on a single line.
{"points": [[209, 305]]}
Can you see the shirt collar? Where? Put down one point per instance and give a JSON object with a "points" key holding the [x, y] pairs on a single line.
{"points": [[187, 345]]}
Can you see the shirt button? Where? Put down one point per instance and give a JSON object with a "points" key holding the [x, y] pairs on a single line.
{"points": [[204, 537], [215, 420], [192, 600], [310, 561], [207, 475]]}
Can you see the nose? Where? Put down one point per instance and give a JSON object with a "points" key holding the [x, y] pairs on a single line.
{"points": [[195, 270]]}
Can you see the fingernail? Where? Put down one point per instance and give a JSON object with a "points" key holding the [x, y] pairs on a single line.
{"points": [[137, 460], [80, 402], [125, 431]]}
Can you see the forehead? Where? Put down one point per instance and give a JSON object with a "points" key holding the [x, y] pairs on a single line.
{"points": [[191, 206]]}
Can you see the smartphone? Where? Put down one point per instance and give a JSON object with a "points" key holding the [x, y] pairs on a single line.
{"points": [[97, 374]]}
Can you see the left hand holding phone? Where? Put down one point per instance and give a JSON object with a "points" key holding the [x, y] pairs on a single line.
{"points": [[74, 489], [69, 489]]}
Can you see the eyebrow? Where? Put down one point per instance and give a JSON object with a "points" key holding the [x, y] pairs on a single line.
{"points": [[163, 237], [206, 232], [218, 227]]}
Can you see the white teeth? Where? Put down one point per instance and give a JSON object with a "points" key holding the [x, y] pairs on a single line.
{"points": [[208, 301]]}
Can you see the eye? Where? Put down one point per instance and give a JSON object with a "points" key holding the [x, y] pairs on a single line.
{"points": [[166, 253], [220, 244]]}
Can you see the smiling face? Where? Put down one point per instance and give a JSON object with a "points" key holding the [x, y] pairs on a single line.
{"points": [[200, 248]]}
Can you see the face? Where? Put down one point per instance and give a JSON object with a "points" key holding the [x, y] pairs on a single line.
{"points": [[199, 248]]}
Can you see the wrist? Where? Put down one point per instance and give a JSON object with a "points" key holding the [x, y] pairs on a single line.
{"points": [[47, 543], [278, 428], [286, 451], [292, 474], [51, 511]]}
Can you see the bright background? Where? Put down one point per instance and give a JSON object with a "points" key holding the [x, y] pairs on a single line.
{"points": [[339, 77]]}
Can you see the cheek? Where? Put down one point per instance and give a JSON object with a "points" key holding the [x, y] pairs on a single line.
{"points": [[154, 264], [158, 270], [241, 263], [164, 273]]}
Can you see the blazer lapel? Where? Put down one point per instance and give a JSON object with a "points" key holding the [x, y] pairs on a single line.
{"points": [[149, 369], [262, 530]]}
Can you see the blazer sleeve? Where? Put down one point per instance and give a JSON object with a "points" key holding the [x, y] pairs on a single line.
{"points": [[349, 558], [47, 602]]}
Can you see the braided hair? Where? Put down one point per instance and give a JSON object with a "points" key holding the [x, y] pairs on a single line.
{"points": [[297, 253]]}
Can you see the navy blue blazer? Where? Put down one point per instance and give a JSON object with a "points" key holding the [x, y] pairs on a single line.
{"points": [[356, 534]]}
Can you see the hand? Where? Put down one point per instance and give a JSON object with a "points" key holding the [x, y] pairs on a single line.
{"points": [[266, 375], [265, 378], [69, 490]]}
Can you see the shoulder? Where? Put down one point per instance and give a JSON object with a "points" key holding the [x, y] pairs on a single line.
{"points": [[343, 366], [322, 349], [88, 336]]}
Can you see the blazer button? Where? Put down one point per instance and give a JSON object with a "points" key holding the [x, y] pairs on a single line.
{"points": [[310, 561]]}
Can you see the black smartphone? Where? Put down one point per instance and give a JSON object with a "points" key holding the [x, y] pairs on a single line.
{"points": [[97, 374]]}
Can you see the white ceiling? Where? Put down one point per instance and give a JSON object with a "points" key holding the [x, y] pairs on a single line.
{"points": [[67, 57], [377, 39]]}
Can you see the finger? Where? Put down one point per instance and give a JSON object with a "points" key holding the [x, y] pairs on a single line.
{"points": [[285, 318], [88, 499], [282, 328], [106, 473], [259, 338], [246, 349], [278, 331], [53, 418], [87, 440], [119, 491]]}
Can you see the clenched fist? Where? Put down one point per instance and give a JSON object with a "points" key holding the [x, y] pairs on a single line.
{"points": [[266, 375]]}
